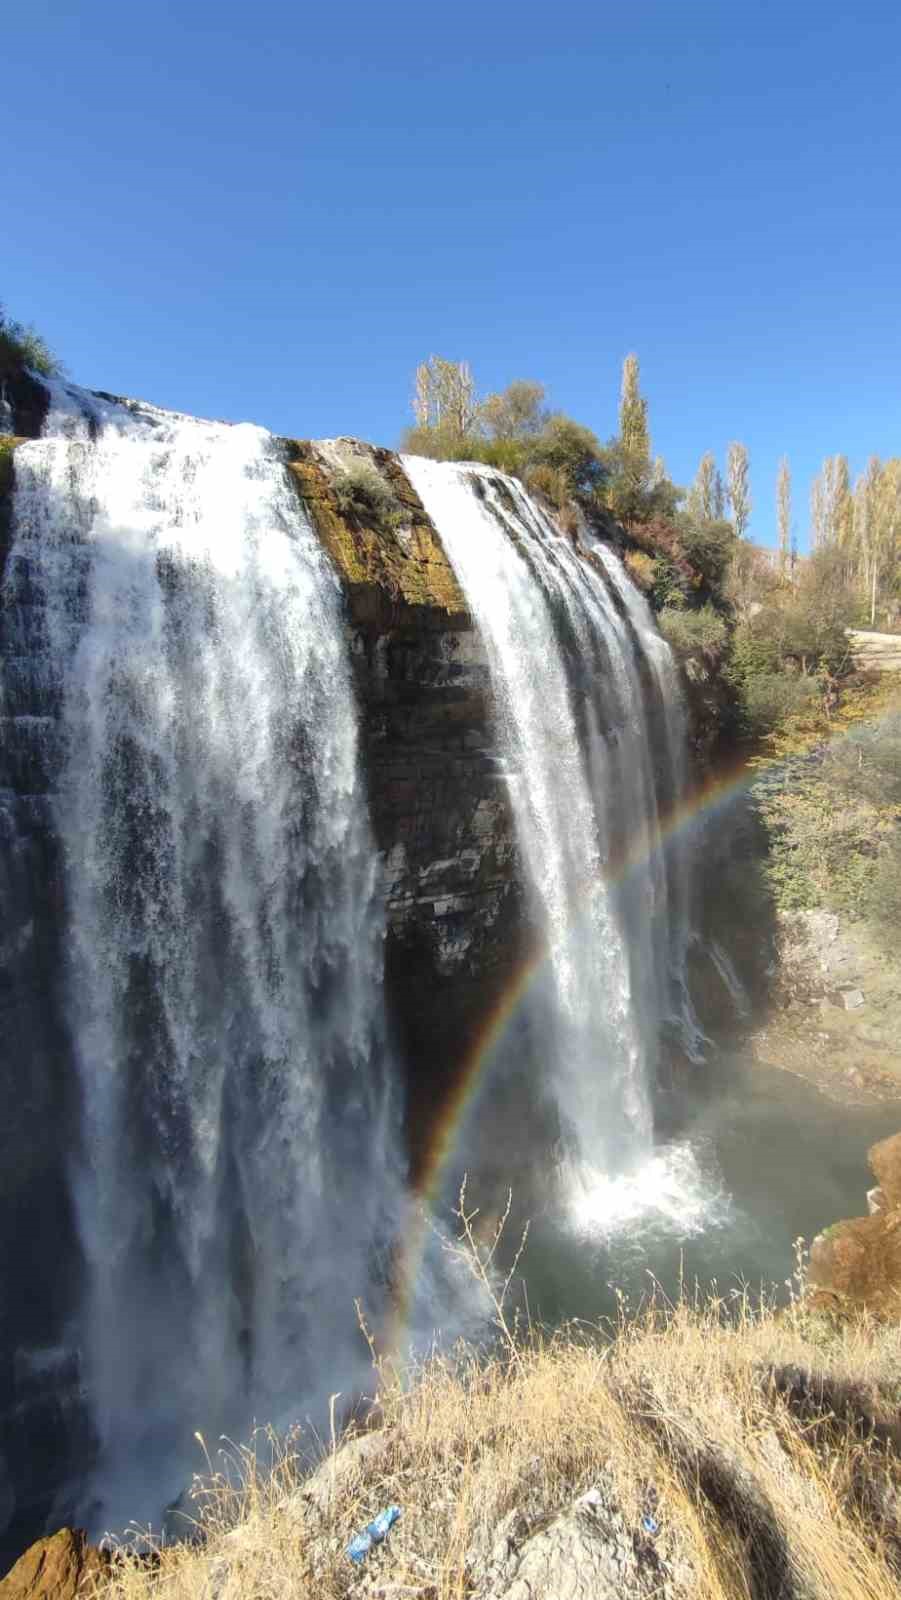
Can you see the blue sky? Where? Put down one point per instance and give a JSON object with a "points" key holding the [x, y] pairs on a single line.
{"points": [[274, 212]]}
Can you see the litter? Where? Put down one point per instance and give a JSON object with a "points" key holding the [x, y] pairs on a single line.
{"points": [[650, 1525], [374, 1532]]}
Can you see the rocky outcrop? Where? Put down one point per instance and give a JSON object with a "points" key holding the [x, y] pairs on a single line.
{"points": [[858, 1262], [586, 1553], [64, 1567], [885, 1164]]}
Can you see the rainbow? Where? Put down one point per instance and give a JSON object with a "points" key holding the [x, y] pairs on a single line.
{"points": [[706, 800]]}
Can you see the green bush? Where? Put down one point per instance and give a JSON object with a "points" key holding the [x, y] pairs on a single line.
{"points": [[709, 546], [21, 346], [770, 699], [361, 487], [693, 633]]}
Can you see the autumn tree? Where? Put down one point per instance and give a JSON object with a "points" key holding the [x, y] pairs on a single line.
{"points": [[831, 508], [444, 395], [877, 530], [706, 497], [784, 515], [738, 474], [517, 412]]}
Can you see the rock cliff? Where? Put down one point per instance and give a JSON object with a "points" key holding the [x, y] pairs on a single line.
{"points": [[857, 1264]]}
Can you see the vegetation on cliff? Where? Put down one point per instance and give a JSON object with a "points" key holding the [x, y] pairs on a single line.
{"points": [[21, 347], [834, 821], [708, 1450]]}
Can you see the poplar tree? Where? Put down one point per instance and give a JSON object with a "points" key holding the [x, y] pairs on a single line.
{"points": [[738, 473], [632, 478], [444, 395], [784, 515], [634, 436], [705, 497], [831, 508]]}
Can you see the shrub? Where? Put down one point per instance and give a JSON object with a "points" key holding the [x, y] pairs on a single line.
{"points": [[549, 482], [771, 698], [642, 569], [709, 546], [361, 487], [22, 346], [569, 448], [693, 633]]}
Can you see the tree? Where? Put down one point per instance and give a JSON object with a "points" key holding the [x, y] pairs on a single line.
{"points": [[784, 515], [628, 493], [831, 509], [518, 412], [737, 470], [877, 506], [444, 395], [634, 436], [705, 497], [817, 513], [569, 449]]}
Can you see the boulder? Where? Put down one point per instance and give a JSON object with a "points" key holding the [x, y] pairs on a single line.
{"points": [[586, 1553], [860, 1261], [885, 1165], [59, 1568]]}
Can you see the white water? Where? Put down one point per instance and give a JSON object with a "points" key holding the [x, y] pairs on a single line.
{"points": [[680, 923], [573, 728], [238, 1171]]}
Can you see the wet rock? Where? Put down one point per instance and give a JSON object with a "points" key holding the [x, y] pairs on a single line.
{"points": [[59, 1568]]}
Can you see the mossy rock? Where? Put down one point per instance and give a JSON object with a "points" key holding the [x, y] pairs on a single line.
{"points": [[392, 573]]}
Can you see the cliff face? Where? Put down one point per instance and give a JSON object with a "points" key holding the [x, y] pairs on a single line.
{"points": [[438, 799]]}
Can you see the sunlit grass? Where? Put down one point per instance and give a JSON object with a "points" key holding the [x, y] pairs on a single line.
{"points": [[762, 1437]]}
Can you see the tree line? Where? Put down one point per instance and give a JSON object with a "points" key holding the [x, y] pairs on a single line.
{"points": [[775, 624]]}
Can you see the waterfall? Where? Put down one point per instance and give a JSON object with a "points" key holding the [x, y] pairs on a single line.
{"points": [[189, 699], [679, 1007], [566, 663]]}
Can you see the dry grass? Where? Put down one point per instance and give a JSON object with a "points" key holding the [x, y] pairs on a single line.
{"points": [[764, 1445]]}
